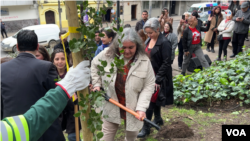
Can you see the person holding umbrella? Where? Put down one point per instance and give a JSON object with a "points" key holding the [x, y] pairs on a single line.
{"points": [[132, 89]]}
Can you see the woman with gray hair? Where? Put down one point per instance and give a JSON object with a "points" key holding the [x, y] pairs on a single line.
{"points": [[159, 50], [133, 89]]}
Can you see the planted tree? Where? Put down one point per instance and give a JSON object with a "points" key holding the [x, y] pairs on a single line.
{"points": [[83, 46]]}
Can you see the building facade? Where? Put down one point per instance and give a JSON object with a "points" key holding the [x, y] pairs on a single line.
{"points": [[17, 14], [176, 8], [49, 12], [130, 10]]}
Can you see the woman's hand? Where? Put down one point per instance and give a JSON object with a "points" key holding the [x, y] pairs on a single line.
{"points": [[215, 29], [209, 18], [157, 86], [186, 53], [96, 89], [141, 114]]}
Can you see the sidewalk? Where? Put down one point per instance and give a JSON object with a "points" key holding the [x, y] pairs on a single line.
{"points": [[211, 55]]}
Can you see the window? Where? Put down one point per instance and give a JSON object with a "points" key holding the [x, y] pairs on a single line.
{"points": [[4, 12], [156, 4], [165, 4], [146, 5], [206, 9], [121, 10]]}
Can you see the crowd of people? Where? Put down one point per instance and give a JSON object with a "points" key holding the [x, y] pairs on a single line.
{"points": [[145, 85]]}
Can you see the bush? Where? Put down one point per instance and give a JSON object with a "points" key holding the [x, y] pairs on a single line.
{"points": [[223, 80]]}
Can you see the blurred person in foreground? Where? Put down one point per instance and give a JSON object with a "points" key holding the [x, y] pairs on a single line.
{"points": [[2, 60], [23, 88], [159, 50], [192, 42], [242, 21], [32, 124], [133, 88], [225, 28]]}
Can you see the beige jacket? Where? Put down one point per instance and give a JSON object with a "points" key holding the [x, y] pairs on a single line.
{"points": [[210, 32], [180, 30], [139, 88]]}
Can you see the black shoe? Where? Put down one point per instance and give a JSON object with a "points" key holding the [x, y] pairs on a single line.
{"points": [[247, 39], [218, 59], [180, 67], [157, 112], [144, 131], [183, 73], [212, 50], [158, 120], [232, 56], [208, 50]]}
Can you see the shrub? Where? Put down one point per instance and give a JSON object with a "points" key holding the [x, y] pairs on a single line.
{"points": [[223, 80]]}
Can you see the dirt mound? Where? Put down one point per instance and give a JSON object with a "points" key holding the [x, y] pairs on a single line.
{"points": [[177, 129]]}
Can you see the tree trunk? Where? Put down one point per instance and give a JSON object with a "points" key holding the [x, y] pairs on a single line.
{"points": [[73, 21]]}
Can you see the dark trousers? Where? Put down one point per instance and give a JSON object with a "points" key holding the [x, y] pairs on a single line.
{"points": [[4, 31], [223, 47], [238, 42], [211, 44], [181, 53], [247, 35]]}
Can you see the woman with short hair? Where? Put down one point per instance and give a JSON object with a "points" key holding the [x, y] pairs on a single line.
{"points": [[133, 89], [159, 50], [107, 39]]}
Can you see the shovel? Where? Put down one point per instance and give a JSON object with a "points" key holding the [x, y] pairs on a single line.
{"points": [[107, 98]]}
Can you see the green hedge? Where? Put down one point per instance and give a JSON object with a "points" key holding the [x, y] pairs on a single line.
{"points": [[223, 80]]}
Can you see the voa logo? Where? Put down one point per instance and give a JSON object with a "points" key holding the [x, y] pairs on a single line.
{"points": [[236, 132]]}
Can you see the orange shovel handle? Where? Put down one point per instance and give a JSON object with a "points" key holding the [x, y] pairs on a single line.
{"points": [[124, 108]]}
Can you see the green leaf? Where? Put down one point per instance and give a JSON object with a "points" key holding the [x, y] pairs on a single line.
{"points": [[99, 135], [121, 29], [104, 63], [247, 101], [223, 81], [224, 75], [108, 75], [241, 98], [235, 113], [115, 29], [232, 83], [77, 114], [194, 99]]}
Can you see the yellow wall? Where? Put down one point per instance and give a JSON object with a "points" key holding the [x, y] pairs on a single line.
{"points": [[53, 6], [44, 7]]}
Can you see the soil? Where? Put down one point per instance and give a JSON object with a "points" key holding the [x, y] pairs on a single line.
{"points": [[177, 129]]}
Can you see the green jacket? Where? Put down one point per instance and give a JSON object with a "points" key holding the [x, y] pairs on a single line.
{"points": [[43, 113]]}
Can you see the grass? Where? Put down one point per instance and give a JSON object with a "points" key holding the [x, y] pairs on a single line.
{"points": [[201, 122]]}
